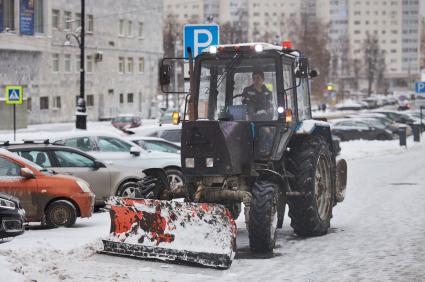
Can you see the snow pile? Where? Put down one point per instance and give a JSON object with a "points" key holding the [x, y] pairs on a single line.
{"points": [[365, 148]]}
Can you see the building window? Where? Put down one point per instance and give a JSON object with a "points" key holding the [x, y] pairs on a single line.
{"points": [[77, 63], [121, 28], [129, 29], [57, 102], [38, 17], [90, 100], [121, 64], [130, 98], [55, 62], [29, 104], [67, 20], [67, 63], [141, 64], [44, 103], [90, 24], [8, 14], [121, 98], [55, 18], [140, 30], [89, 64], [130, 65], [78, 19]]}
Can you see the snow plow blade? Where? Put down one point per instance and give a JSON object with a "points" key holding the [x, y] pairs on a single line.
{"points": [[203, 234]]}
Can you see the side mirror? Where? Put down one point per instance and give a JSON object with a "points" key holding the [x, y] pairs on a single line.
{"points": [[27, 173], [301, 69], [135, 151], [164, 74], [313, 73], [98, 164]]}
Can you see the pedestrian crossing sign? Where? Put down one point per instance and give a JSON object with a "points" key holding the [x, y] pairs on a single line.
{"points": [[14, 95]]}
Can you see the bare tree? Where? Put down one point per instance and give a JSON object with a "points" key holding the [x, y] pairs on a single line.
{"points": [[310, 36], [374, 60]]}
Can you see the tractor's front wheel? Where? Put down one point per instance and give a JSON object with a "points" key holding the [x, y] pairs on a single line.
{"points": [[263, 217], [313, 166]]}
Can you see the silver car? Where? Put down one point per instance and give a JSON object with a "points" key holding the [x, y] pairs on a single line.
{"points": [[105, 179]]}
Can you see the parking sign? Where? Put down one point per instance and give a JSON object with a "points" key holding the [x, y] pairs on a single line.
{"points": [[199, 37], [420, 87], [14, 95]]}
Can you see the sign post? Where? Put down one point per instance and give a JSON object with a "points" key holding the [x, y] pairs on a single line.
{"points": [[14, 96]]}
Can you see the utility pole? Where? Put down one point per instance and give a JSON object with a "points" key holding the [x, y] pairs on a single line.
{"points": [[81, 113]]}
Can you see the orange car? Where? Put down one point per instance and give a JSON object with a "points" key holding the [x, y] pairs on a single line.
{"points": [[56, 200]]}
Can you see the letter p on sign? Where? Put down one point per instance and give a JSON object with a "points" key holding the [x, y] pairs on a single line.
{"points": [[199, 37]]}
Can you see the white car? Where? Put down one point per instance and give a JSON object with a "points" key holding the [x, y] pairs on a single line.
{"points": [[113, 149]]}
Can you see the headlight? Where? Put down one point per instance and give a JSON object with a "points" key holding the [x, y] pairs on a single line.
{"points": [[189, 162], [7, 204], [84, 186]]}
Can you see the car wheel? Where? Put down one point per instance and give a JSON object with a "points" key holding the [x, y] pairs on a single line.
{"points": [[129, 190], [175, 177], [61, 213]]}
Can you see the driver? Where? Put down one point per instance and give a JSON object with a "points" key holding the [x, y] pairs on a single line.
{"points": [[257, 97]]}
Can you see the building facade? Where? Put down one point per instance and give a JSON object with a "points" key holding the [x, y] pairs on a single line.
{"points": [[39, 50], [396, 24]]}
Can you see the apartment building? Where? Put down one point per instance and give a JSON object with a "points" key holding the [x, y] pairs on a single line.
{"points": [[396, 24], [39, 50]]}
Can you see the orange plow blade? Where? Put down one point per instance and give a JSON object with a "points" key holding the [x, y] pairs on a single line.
{"points": [[173, 231]]}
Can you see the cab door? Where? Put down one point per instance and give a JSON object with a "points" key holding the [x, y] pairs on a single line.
{"points": [[12, 183]]}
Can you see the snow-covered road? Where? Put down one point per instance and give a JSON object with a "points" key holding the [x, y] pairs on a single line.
{"points": [[377, 234]]}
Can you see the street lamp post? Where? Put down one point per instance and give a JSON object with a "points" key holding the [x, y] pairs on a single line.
{"points": [[81, 113]]}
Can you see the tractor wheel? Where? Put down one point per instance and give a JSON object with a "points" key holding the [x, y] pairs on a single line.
{"points": [[313, 166], [130, 189], [61, 213], [263, 217]]}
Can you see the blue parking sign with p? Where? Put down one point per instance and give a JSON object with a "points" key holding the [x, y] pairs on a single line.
{"points": [[199, 37], [14, 95], [420, 87]]}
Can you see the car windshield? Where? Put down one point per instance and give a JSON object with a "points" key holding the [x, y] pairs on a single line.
{"points": [[160, 146], [112, 144], [375, 123], [238, 89]]}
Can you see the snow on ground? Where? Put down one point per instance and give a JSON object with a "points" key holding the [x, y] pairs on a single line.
{"points": [[377, 234]]}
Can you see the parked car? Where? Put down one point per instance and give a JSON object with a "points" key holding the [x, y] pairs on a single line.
{"points": [[105, 179], [169, 132], [52, 198], [155, 144], [126, 121], [349, 105], [397, 116], [112, 149], [351, 129], [12, 216], [388, 123]]}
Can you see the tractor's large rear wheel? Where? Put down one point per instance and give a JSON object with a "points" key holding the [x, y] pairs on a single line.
{"points": [[263, 217], [313, 166]]}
